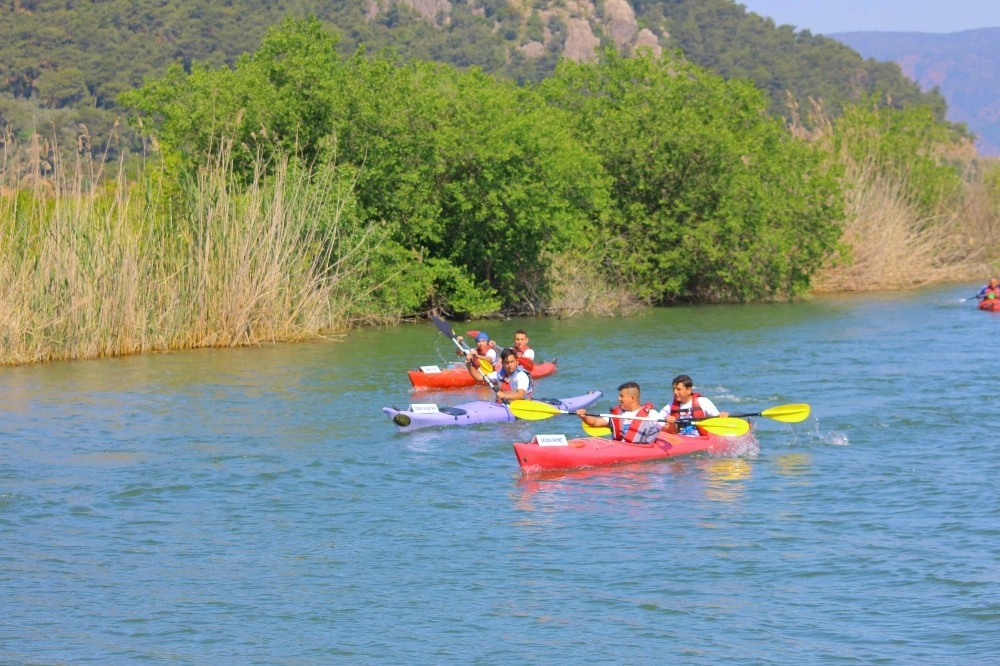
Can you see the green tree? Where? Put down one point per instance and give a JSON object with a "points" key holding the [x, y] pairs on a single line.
{"points": [[715, 200], [280, 98]]}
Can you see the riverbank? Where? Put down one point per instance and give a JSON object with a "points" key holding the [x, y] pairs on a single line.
{"points": [[144, 266]]}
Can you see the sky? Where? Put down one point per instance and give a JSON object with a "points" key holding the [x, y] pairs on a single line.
{"points": [[831, 16]]}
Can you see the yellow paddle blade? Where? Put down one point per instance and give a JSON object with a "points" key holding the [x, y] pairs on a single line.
{"points": [[595, 431], [533, 410], [725, 426], [485, 366], [787, 413]]}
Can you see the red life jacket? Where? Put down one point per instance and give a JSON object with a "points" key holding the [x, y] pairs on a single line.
{"points": [[991, 290], [633, 427], [696, 411], [526, 363]]}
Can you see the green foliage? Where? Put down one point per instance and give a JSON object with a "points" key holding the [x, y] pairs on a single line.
{"points": [[67, 55], [715, 200], [474, 171], [477, 174], [277, 101], [677, 178]]}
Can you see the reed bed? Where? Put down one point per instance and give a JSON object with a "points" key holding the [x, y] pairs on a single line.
{"points": [[93, 267], [890, 245], [887, 243], [578, 287]]}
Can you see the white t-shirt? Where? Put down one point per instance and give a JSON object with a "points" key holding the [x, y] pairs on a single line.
{"points": [[520, 380]]}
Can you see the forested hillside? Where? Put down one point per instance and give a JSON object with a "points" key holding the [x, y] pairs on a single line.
{"points": [[63, 64], [964, 66]]}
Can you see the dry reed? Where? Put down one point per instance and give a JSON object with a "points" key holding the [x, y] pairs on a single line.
{"points": [[889, 245], [93, 271], [578, 287]]}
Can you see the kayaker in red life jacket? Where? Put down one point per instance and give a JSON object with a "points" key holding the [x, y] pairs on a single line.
{"points": [[511, 381], [525, 354], [627, 428], [485, 348], [991, 290], [687, 408]]}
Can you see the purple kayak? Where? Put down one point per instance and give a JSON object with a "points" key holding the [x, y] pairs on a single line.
{"points": [[469, 413]]}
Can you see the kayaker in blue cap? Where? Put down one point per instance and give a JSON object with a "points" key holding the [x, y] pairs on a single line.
{"points": [[510, 381], [485, 348]]}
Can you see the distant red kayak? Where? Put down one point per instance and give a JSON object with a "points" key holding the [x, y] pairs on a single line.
{"points": [[457, 376], [555, 452], [990, 304]]}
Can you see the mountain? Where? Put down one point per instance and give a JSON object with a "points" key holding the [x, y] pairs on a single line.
{"points": [[963, 66], [63, 64]]}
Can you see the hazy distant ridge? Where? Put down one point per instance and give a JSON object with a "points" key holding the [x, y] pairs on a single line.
{"points": [[965, 66]]}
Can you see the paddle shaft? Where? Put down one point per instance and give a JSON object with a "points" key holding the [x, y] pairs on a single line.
{"points": [[447, 331]]}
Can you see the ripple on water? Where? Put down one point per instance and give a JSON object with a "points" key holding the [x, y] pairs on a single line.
{"points": [[255, 506]]}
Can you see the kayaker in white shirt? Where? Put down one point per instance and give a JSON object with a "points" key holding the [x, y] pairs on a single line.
{"points": [[626, 428], [525, 354], [687, 408], [511, 381]]}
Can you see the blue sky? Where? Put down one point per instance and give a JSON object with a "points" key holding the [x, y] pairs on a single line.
{"points": [[830, 16]]}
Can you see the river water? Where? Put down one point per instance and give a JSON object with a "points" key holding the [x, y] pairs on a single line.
{"points": [[254, 505]]}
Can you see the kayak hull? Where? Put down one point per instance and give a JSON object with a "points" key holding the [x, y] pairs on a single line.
{"points": [[477, 411], [990, 304], [457, 376], [601, 452]]}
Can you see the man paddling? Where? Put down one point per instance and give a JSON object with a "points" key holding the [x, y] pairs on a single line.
{"points": [[990, 290], [525, 354], [511, 382], [627, 428], [687, 408], [485, 348]]}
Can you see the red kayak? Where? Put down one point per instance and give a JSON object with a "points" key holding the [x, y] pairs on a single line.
{"points": [[990, 304], [457, 376], [555, 452]]}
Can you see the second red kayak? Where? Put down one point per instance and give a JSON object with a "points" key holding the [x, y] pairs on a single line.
{"points": [[457, 376], [990, 304], [555, 452]]}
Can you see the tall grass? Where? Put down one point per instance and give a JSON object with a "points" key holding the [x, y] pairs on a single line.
{"points": [[578, 286], [93, 267]]}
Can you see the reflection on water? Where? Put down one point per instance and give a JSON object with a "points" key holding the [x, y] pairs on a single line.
{"points": [[723, 478], [794, 464], [264, 501]]}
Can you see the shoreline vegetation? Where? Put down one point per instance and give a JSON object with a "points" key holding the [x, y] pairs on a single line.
{"points": [[466, 196]]}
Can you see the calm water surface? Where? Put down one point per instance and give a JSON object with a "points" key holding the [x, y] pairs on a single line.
{"points": [[254, 506]]}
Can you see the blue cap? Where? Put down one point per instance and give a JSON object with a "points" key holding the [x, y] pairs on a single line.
{"points": [[482, 336]]}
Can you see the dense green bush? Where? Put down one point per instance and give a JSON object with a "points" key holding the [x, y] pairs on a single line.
{"points": [[715, 200]]}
